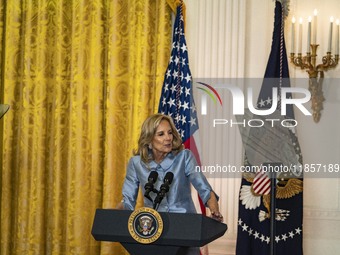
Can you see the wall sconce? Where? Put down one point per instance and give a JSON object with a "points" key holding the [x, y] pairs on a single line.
{"points": [[308, 62]]}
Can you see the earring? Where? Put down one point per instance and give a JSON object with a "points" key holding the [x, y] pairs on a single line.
{"points": [[150, 146]]}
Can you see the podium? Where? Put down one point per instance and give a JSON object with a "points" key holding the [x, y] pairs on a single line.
{"points": [[180, 231]]}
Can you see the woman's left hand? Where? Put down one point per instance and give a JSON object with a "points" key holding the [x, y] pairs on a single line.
{"points": [[217, 216], [214, 209]]}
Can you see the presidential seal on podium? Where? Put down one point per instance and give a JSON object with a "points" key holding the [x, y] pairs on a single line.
{"points": [[145, 225]]}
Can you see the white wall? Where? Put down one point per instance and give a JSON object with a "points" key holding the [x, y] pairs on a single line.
{"points": [[232, 38]]}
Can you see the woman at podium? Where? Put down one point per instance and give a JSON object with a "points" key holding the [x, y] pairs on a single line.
{"points": [[165, 171], [160, 156]]}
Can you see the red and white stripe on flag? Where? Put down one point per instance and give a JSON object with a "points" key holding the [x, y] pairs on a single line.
{"points": [[261, 184]]}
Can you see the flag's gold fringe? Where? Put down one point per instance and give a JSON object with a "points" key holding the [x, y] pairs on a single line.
{"points": [[173, 5]]}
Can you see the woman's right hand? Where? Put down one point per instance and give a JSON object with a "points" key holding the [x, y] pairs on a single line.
{"points": [[120, 206]]}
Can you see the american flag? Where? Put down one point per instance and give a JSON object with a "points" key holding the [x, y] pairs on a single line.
{"points": [[176, 98], [177, 94]]}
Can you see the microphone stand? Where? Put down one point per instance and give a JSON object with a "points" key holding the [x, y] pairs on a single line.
{"points": [[160, 195], [163, 189], [157, 202]]}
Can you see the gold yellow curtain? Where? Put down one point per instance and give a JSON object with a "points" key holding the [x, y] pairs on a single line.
{"points": [[80, 77]]}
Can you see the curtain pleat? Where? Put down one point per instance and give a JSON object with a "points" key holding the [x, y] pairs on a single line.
{"points": [[80, 77]]}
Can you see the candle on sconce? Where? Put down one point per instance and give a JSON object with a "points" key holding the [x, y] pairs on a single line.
{"points": [[330, 34], [309, 33], [300, 36], [314, 26], [337, 38], [292, 50]]}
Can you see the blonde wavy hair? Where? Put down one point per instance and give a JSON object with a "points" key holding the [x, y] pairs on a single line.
{"points": [[148, 132]]}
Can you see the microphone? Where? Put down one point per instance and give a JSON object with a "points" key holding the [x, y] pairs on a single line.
{"points": [[163, 189], [149, 185]]}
